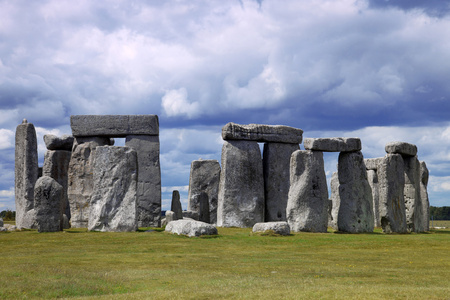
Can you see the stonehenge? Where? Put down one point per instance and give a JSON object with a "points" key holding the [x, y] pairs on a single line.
{"points": [[87, 182]]}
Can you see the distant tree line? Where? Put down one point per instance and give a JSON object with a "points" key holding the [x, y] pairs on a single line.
{"points": [[440, 213], [8, 215]]}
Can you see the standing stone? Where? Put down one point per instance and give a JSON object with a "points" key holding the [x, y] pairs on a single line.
{"points": [[276, 160], [391, 182], [56, 166], [176, 205], [204, 208], [52, 142], [413, 203], [372, 177], [307, 206], [1, 222], [335, 199], [356, 207], [80, 180], [26, 173], [424, 174], [48, 203], [204, 178], [113, 205], [149, 178], [241, 188]]}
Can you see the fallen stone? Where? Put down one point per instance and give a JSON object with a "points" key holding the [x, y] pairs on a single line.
{"points": [[281, 228], [424, 174], [190, 215], [53, 142], [114, 125], [241, 188], [337, 144], [276, 160], [372, 177], [10, 227], [48, 202], [391, 182], [26, 171], [191, 228], [307, 206], [176, 206], [372, 163], [335, 199], [204, 178], [262, 133], [113, 205], [401, 148], [356, 205]]}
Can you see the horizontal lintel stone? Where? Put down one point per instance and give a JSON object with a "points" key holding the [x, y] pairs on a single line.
{"points": [[373, 163], [114, 125], [401, 148], [262, 133], [336, 144]]}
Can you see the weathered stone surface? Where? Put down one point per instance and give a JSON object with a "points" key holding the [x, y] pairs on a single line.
{"points": [[372, 163], [176, 205], [26, 171], [424, 174], [372, 177], [335, 144], [114, 125], [53, 142], [191, 228], [307, 206], [241, 188], [170, 216], [48, 202], [9, 227], [113, 205], [262, 133], [66, 223], [413, 203], [356, 206], [56, 166], [335, 199], [1, 222], [276, 160], [391, 181], [280, 227], [190, 214], [204, 208], [80, 180], [401, 148], [149, 178], [204, 178]]}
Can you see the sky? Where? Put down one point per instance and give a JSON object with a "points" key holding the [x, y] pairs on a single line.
{"points": [[374, 69]]}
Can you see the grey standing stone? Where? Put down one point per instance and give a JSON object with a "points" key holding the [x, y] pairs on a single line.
{"points": [[170, 216], [424, 174], [241, 188], [190, 214], [48, 202], [1, 222], [336, 144], [176, 205], [372, 177], [149, 178], [26, 173], [280, 227], [307, 206], [413, 203], [401, 148], [204, 208], [56, 166], [52, 142], [80, 180], [262, 133], [190, 228], [204, 178], [113, 205], [276, 160], [391, 182], [372, 163], [335, 199], [356, 207]]}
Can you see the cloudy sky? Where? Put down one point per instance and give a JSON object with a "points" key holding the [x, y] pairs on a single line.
{"points": [[374, 69]]}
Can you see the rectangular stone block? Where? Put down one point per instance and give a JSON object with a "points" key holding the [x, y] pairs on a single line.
{"points": [[372, 163], [337, 144], [401, 148], [114, 125], [262, 133]]}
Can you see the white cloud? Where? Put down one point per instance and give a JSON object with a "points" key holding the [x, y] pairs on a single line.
{"points": [[6, 139], [176, 103]]}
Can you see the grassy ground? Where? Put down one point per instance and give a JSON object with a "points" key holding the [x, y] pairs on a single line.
{"points": [[445, 224], [236, 264]]}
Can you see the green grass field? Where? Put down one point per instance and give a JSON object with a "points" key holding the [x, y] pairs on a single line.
{"points": [[235, 264]]}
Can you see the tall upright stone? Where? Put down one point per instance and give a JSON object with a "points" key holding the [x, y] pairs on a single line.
{"points": [[204, 208], [335, 200], [204, 178], [372, 177], [48, 202], [413, 203], [241, 188], [391, 182], [307, 206], [356, 207], [113, 205], [26, 173], [276, 165], [80, 178], [424, 174], [149, 178], [176, 205]]}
